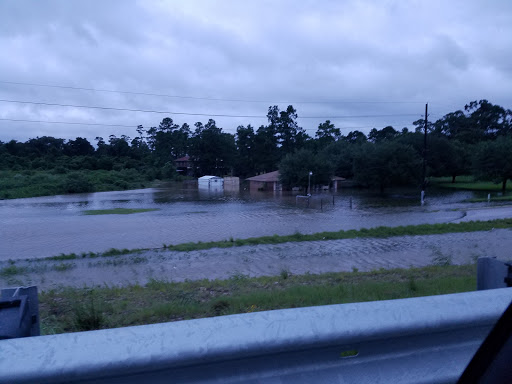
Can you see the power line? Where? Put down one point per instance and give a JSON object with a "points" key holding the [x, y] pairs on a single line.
{"points": [[192, 114], [208, 98], [122, 109], [68, 122]]}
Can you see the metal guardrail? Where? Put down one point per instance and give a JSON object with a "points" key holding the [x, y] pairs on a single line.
{"points": [[420, 340], [19, 312], [492, 273]]}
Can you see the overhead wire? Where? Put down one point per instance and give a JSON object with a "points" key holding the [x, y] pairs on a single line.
{"points": [[192, 114], [67, 122], [210, 98]]}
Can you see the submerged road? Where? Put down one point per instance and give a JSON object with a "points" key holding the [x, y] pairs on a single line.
{"points": [[40, 228]]}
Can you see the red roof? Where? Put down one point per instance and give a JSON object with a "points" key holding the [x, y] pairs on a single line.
{"points": [[184, 158]]}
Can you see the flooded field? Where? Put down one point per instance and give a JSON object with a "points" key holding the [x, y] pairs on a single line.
{"points": [[47, 226]]}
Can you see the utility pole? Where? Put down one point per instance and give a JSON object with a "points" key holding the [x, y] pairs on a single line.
{"points": [[424, 184]]}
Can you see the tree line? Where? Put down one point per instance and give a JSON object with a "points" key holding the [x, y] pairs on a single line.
{"points": [[475, 140]]}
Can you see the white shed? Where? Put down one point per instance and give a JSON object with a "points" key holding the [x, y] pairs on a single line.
{"points": [[210, 182]]}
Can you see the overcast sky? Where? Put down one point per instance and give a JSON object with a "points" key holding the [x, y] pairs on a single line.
{"points": [[330, 59]]}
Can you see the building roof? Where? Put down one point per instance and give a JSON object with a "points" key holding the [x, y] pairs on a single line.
{"points": [[338, 178], [184, 158], [266, 177], [209, 177]]}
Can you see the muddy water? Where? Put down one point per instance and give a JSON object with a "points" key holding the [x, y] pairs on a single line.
{"points": [[296, 258], [47, 226]]}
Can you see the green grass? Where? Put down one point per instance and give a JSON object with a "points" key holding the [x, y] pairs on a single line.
{"points": [[381, 232], [31, 183], [62, 267], [12, 270], [118, 211], [467, 183], [75, 309]]}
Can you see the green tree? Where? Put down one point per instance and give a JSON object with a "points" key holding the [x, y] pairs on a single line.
{"points": [[265, 153], [212, 151], [490, 121], [355, 137], [454, 125], [493, 161], [118, 146], [327, 133], [78, 147], [284, 126], [295, 167], [387, 164], [387, 133], [447, 157], [340, 155], [245, 146], [287, 130]]}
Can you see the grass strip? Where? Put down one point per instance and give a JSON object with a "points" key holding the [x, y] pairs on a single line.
{"points": [[118, 211], [80, 309], [467, 183], [380, 232]]}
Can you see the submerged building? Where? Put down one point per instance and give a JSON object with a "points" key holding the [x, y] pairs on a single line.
{"points": [[265, 182]]}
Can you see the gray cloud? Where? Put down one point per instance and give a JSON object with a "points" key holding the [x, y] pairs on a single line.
{"points": [[446, 53]]}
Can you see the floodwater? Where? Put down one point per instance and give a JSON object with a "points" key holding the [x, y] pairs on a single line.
{"points": [[264, 260], [47, 226]]}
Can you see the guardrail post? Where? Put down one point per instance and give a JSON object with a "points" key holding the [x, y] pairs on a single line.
{"points": [[492, 274], [19, 312]]}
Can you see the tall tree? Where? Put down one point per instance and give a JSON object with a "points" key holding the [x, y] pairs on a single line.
{"points": [[454, 125], [493, 161], [266, 152], [295, 167], [168, 141], [78, 147], [284, 126], [245, 146], [327, 133], [212, 151], [118, 146], [488, 119], [355, 137], [287, 130], [340, 155], [447, 158], [387, 133], [387, 164]]}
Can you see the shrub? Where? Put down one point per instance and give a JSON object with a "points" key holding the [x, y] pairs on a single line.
{"points": [[77, 182]]}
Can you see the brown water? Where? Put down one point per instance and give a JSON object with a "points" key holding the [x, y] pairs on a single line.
{"points": [[47, 226]]}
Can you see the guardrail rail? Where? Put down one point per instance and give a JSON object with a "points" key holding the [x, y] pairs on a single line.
{"points": [[419, 340]]}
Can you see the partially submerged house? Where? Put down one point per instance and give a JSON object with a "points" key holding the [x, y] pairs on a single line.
{"points": [[265, 182], [231, 183], [336, 182], [184, 165]]}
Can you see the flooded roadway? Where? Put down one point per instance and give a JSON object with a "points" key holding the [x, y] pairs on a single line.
{"points": [[48, 226], [265, 260]]}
